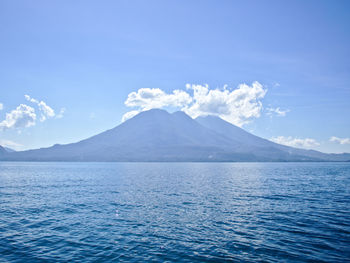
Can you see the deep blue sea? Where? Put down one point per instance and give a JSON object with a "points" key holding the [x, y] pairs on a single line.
{"points": [[187, 212]]}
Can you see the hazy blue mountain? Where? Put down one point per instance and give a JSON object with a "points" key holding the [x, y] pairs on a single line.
{"points": [[157, 135], [9, 149], [265, 148], [154, 135], [2, 151]]}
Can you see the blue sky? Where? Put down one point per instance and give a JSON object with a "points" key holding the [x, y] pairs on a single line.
{"points": [[82, 59]]}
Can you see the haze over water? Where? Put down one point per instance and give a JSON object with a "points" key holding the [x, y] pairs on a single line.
{"points": [[195, 212]]}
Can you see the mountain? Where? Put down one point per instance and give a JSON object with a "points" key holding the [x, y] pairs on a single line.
{"points": [[263, 148], [4, 150], [9, 149], [157, 135]]}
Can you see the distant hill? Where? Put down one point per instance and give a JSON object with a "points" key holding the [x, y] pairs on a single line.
{"points": [[263, 148], [157, 135], [4, 149], [9, 149]]}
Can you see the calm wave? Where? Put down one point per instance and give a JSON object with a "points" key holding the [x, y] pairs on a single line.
{"points": [[195, 212]]}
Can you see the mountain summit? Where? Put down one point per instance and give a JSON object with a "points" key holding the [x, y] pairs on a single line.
{"points": [[157, 135]]}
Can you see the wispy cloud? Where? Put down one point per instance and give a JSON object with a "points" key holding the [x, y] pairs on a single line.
{"points": [[1, 106], [277, 111], [296, 142], [61, 113], [10, 144], [238, 106], [129, 115], [340, 140]]}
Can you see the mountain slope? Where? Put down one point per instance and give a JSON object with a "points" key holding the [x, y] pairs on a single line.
{"points": [[2, 151], [154, 135], [157, 135], [263, 147], [9, 149]]}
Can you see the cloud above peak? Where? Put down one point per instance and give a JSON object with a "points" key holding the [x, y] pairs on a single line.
{"points": [[238, 106], [129, 115], [147, 98]]}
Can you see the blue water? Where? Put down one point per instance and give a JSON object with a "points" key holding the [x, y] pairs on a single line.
{"points": [[194, 212]]}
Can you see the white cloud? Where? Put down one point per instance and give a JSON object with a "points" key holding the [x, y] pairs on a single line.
{"points": [[10, 144], [46, 110], [60, 114], [22, 116], [296, 142], [25, 116], [129, 115], [340, 140], [156, 98], [28, 98], [237, 106], [146, 99], [277, 111], [1, 106]]}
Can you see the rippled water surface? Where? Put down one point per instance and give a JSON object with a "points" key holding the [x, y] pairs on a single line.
{"points": [[195, 212]]}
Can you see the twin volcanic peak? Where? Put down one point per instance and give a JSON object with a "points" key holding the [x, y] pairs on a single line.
{"points": [[157, 135]]}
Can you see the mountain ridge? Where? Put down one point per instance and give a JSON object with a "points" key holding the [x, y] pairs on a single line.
{"points": [[157, 135]]}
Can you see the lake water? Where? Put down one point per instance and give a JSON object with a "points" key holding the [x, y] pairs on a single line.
{"points": [[194, 212]]}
